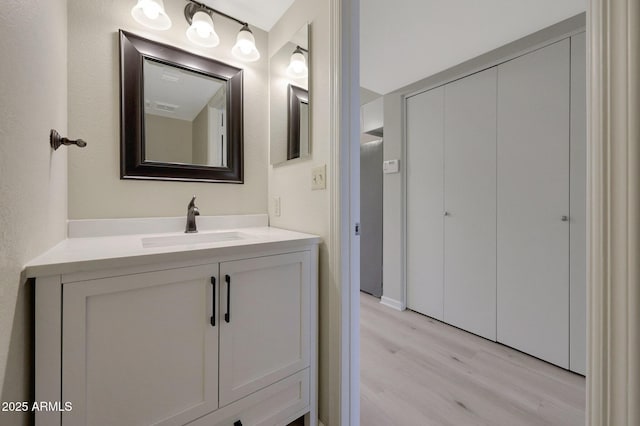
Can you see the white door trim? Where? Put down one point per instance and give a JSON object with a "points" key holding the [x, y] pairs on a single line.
{"points": [[344, 247], [613, 235]]}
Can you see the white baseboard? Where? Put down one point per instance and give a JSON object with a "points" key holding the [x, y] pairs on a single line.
{"points": [[392, 303]]}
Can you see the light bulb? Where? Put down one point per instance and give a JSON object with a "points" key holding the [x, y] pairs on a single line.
{"points": [[202, 31], [298, 64], [245, 47], [151, 10], [151, 14]]}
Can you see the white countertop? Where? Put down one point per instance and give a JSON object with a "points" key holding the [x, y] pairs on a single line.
{"points": [[105, 252]]}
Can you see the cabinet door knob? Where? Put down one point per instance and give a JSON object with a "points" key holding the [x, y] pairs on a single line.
{"points": [[447, 214], [565, 218]]}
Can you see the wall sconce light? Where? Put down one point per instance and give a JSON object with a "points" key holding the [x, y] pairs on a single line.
{"points": [[245, 47], [150, 13], [201, 31], [298, 64]]}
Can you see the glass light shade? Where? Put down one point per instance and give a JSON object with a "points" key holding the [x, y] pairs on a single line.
{"points": [[201, 31], [150, 13], [245, 47], [297, 65]]}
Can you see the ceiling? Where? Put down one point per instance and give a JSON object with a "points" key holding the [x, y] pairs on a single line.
{"points": [[176, 93], [407, 40], [260, 13]]}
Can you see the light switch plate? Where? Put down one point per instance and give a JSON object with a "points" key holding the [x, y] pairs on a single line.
{"points": [[276, 206], [319, 177], [391, 166]]}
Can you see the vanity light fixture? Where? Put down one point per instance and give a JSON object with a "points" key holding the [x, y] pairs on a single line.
{"points": [[298, 64], [245, 47], [150, 13], [201, 31]]}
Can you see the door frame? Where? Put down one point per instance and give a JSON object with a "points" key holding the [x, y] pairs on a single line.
{"points": [[344, 244], [613, 212]]}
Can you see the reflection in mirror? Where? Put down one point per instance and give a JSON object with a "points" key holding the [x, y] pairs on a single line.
{"points": [[298, 123], [181, 114], [184, 116], [289, 99]]}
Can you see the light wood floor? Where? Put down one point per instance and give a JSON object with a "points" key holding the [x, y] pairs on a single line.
{"points": [[418, 371]]}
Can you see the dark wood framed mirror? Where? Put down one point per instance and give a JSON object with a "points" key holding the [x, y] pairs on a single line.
{"points": [[298, 121], [181, 115]]}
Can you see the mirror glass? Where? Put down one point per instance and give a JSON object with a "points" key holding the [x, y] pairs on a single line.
{"points": [[184, 116], [289, 99], [181, 114]]}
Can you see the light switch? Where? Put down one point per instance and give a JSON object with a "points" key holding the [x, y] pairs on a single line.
{"points": [[391, 166], [319, 177]]}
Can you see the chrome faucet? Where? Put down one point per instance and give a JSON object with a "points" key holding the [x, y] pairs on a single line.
{"points": [[192, 212]]}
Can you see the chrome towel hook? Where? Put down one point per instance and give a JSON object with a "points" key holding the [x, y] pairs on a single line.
{"points": [[56, 140]]}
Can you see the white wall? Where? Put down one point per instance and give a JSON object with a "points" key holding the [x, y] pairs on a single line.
{"points": [[33, 178], [95, 187], [367, 96], [301, 208]]}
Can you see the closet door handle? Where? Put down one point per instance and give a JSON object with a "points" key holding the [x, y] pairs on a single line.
{"points": [[227, 316], [213, 301]]}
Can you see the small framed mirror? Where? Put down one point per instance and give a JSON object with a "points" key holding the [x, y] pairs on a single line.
{"points": [[289, 110], [181, 114]]}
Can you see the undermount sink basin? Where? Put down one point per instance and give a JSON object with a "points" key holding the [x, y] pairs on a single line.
{"points": [[204, 238]]}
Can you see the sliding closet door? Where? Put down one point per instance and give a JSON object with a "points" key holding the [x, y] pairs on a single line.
{"points": [[470, 204], [533, 203], [424, 118]]}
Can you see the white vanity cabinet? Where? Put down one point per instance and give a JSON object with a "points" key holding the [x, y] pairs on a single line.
{"points": [[226, 340]]}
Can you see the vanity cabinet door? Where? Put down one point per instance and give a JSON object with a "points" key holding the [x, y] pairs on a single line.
{"points": [[141, 349], [264, 322]]}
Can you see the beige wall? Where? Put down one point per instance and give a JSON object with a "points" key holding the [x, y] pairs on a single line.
{"points": [[95, 187], [200, 141], [33, 178], [301, 208], [168, 139]]}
